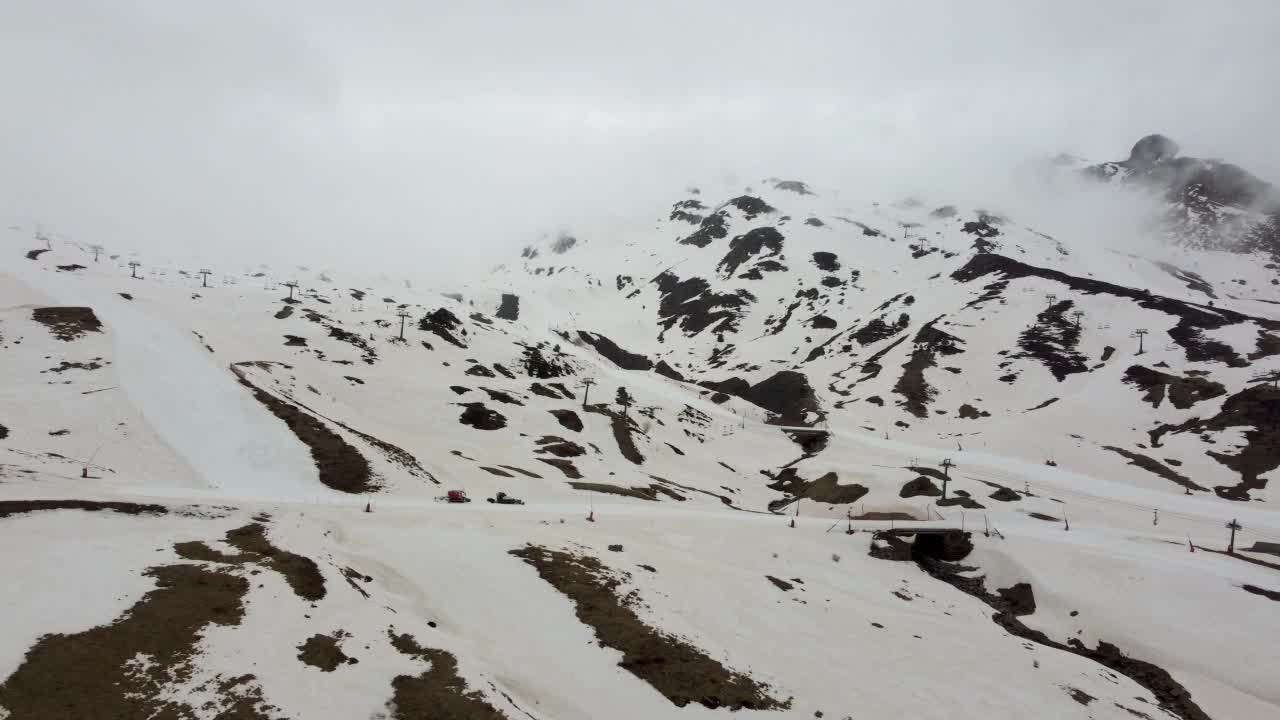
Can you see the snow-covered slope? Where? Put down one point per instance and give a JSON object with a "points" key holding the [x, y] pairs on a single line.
{"points": [[702, 413]]}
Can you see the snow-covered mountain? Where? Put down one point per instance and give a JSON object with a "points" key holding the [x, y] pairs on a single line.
{"points": [[702, 413]]}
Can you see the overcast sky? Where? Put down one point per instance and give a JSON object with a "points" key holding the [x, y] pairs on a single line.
{"points": [[433, 135]]}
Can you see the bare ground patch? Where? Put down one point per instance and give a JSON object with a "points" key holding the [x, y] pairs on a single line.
{"points": [[675, 668], [95, 674], [437, 693], [565, 466], [67, 323], [325, 652], [15, 507], [1152, 465], [300, 572], [341, 467]]}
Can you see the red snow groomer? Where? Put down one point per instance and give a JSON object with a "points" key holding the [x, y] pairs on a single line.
{"points": [[457, 496]]}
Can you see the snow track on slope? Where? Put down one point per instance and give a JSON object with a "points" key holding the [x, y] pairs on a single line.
{"points": [[193, 402]]}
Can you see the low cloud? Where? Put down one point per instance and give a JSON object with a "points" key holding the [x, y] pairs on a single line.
{"points": [[434, 138]]}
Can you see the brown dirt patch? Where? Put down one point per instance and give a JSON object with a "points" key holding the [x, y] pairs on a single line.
{"points": [[675, 668], [325, 652], [300, 572], [15, 507], [622, 427], [67, 323], [496, 471], [340, 466], [565, 466], [437, 693], [522, 471], [558, 446], [1152, 465], [782, 585], [354, 577], [643, 493], [825, 489], [92, 674]]}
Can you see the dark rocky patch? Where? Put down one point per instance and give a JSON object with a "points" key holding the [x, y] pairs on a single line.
{"points": [[1152, 465], [64, 366], [444, 325], [564, 242], [826, 261], [537, 365], [1268, 594], [560, 447], [1193, 318], [691, 303], [1268, 345], [70, 268], [284, 312], [479, 370], [1052, 340], [1256, 407], [538, 388], [678, 670], [963, 501], [35, 254], [459, 390], [877, 329], [751, 206], [915, 390], [1183, 392], [969, 412], [929, 552], [295, 341], [825, 489], [614, 354], [67, 323], [568, 419], [794, 186], [1042, 405], [683, 211], [641, 493], [665, 370], [340, 466], [822, 322], [1005, 494], [710, 229], [815, 222], [510, 307], [496, 471], [921, 486], [500, 396], [481, 418], [782, 585], [746, 247], [522, 471]]}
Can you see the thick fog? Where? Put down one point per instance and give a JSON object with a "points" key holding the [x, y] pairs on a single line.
{"points": [[428, 138]]}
